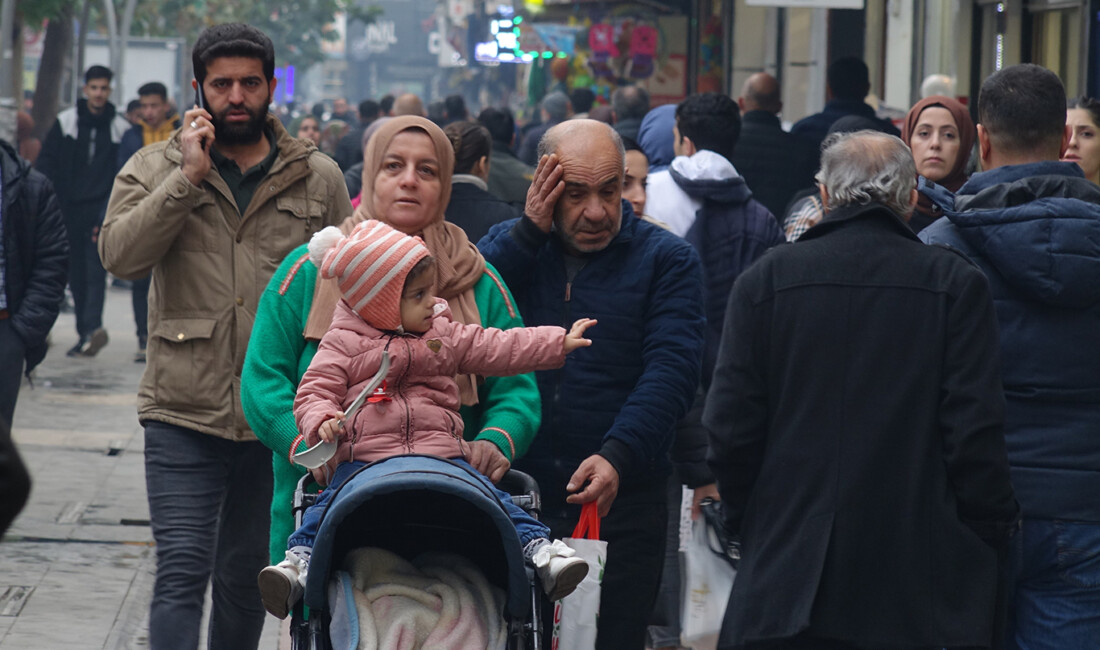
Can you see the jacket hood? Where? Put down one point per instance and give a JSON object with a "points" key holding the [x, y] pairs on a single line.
{"points": [[1038, 224], [655, 136], [709, 176], [103, 118]]}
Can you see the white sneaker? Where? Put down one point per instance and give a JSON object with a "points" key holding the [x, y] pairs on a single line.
{"points": [[280, 588], [559, 570]]}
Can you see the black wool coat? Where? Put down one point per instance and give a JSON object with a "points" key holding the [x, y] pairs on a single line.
{"points": [[775, 164], [855, 425], [476, 211]]}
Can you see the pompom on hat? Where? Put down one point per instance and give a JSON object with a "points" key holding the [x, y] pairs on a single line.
{"points": [[370, 266]]}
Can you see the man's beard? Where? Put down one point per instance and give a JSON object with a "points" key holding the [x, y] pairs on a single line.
{"points": [[239, 133]]}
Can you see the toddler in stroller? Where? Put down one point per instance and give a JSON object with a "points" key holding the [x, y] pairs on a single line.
{"points": [[390, 321]]}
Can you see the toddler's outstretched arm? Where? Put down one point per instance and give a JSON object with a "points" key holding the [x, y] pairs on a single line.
{"points": [[575, 337]]}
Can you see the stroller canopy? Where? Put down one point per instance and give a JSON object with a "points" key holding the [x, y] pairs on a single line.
{"points": [[414, 504]]}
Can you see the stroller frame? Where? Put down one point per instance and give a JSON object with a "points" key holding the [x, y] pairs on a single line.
{"points": [[524, 632]]}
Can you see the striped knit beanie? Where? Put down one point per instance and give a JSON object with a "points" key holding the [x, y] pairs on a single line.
{"points": [[370, 266]]}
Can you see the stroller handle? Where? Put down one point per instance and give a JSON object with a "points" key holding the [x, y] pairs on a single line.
{"points": [[524, 490]]}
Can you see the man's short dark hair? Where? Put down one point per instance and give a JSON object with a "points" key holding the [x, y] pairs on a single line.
{"points": [[153, 88], [501, 124], [232, 39], [849, 78], [712, 121], [133, 105], [1023, 108], [98, 72], [455, 106], [386, 104], [630, 103], [368, 110], [582, 100]]}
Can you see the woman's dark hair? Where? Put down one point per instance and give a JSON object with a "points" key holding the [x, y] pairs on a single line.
{"points": [[501, 124], [1089, 104], [471, 143], [630, 144], [232, 39], [419, 269]]}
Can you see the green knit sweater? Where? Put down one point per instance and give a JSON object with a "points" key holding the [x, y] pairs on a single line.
{"points": [[508, 413]]}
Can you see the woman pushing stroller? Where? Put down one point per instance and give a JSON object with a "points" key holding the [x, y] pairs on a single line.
{"points": [[389, 308]]}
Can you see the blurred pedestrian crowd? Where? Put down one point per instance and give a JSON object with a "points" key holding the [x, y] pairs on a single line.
{"points": [[868, 341]]}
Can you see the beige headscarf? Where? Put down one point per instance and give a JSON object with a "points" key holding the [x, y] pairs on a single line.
{"points": [[459, 265]]}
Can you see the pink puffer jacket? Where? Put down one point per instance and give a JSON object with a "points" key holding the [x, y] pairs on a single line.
{"points": [[418, 412]]}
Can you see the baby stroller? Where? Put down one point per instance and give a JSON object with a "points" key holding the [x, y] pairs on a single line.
{"points": [[411, 505]]}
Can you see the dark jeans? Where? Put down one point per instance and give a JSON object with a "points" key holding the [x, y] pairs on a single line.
{"points": [[209, 502], [664, 629], [1056, 602], [11, 369], [87, 277], [140, 299], [15, 482], [634, 530]]}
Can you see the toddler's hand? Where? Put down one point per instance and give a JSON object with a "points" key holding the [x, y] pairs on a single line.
{"points": [[330, 429], [575, 337]]}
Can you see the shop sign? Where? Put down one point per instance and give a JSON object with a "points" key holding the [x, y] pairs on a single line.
{"points": [[815, 4], [403, 32], [377, 38]]}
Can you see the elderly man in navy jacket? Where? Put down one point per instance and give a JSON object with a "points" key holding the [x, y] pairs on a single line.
{"points": [[1032, 224], [608, 414]]}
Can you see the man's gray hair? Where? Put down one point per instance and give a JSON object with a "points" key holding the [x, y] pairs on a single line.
{"points": [[867, 166], [549, 141]]}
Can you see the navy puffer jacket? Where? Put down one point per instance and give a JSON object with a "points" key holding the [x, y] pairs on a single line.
{"points": [[731, 230], [622, 396], [1035, 231]]}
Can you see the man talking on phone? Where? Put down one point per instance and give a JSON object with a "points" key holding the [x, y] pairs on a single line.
{"points": [[211, 213]]}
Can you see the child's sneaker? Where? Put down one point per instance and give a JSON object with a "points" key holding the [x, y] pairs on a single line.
{"points": [[559, 571], [281, 585]]}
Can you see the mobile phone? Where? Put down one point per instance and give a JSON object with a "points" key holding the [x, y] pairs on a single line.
{"points": [[200, 100]]}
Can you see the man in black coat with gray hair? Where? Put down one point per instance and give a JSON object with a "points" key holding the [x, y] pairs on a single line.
{"points": [[855, 425]]}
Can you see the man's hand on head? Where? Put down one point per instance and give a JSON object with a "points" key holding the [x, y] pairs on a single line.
{"points": [[546, 189], [600, 482], [196, 138]]}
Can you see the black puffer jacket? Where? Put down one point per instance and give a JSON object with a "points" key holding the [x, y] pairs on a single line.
{"points": [[36, 252]]}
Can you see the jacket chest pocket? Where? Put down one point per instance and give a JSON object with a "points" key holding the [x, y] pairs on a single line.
{"points": [[296, 219], [181, 356], [202, 229]]}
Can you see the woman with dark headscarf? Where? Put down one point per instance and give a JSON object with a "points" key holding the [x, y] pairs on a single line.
{"points": [[941, 134], [407, 171]]}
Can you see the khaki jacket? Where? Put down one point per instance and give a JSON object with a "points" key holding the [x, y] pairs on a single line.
{"points": [[209, 267]]}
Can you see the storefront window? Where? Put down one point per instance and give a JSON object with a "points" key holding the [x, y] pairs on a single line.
{"points": [[1056, 42]]}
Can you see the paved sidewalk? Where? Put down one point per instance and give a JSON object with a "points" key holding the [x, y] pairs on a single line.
{"points": [[77, 566]]}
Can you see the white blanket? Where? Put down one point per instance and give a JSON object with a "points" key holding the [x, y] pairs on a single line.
{"points": [[440, 601]]}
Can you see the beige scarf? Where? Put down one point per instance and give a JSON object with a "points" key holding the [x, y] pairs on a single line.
{"points": [[459, 265]]}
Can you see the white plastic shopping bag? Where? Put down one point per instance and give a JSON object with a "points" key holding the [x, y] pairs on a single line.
{"points": [[707, 579], [576, 615]]}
